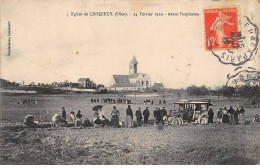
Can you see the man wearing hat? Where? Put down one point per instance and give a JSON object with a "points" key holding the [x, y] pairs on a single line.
{"points": [[155, 114], [129, 117], [139, 116], [219, 116], [146, 114], [63, 114], [163, 115]]}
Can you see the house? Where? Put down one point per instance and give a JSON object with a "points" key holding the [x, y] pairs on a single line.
{"points": [[86, 83]]}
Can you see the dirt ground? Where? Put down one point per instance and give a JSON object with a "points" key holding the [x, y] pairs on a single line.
{"points": [[212, 144], [190, 144]]}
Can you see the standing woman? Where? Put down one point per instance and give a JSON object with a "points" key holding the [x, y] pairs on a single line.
{"points": [[242, 115], [115, 117], [78, 121]]}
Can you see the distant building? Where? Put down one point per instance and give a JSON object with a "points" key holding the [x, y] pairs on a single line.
{"points": [[158, 86], [86, 83], [133, 81], [74, 85]]}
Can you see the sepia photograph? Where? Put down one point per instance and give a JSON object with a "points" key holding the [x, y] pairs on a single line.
{"points": [[131, 82]]}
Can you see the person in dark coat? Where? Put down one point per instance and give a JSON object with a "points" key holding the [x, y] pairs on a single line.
{"points": [[155, 114], [242, 115], [231, 112], [146, 114], [236, 116], [163, 115], [129, 117], [211, 115], [79, 115], [219, 116], [139, 116], [159, 116], [63, 114]]}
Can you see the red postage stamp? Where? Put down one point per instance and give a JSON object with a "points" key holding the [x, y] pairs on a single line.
{"points": [[221, 28]]}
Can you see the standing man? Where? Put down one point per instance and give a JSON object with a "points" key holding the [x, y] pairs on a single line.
{"points": [[219, 116], [163, 115], [155, 114], [242, 115], [231, 112], [236, 116], [146, 114], [211, 115], [159, 115], [139, 116], [129, 117], [63, 114]]}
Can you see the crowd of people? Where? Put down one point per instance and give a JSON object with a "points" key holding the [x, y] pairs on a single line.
{"points": [[231, 115], [161, 116], [142, 117], [122, 101], [110, 100], [28, 102]]}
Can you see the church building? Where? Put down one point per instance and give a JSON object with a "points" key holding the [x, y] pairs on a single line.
{"points": [[133, 81]]}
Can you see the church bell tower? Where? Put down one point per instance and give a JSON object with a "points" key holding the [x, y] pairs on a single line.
{"points": [[133, 66]]}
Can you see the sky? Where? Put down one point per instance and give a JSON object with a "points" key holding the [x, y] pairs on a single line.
{"points": [[48, 46]]}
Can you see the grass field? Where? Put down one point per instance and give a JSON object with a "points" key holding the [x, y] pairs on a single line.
{"points": [[186, 144], [52, 104]]}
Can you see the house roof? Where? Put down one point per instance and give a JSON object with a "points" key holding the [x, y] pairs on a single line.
{"points": [[158, 84], [126, 85], [121, 78], [83, 79]]}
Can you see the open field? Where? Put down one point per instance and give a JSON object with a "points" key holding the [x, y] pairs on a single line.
{"points": [[52, 104], [186, 144]]}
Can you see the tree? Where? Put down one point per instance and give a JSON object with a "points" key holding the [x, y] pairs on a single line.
{"points": [[196, 91], [228, 91], [101, 89]]}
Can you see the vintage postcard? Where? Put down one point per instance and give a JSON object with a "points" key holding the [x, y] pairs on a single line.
{"points": [[131, 82]]}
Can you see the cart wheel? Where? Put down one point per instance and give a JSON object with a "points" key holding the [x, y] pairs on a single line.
{"points": [[176, 121], [203, 121]]}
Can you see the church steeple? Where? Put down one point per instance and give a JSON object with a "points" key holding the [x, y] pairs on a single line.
{"points": [[133, 66]]}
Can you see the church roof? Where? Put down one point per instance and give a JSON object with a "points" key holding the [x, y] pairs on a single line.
{"points": [[121, 78], [133, 61], [135, 75]]}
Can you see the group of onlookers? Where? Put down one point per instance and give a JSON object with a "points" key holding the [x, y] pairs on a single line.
{"points": [[231, 115], [74, 118], [224, 115], [27, 102], [110, 100], [160, 115]]}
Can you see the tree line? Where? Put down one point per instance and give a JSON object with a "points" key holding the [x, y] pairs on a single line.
{"points": [[244, 91]]}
